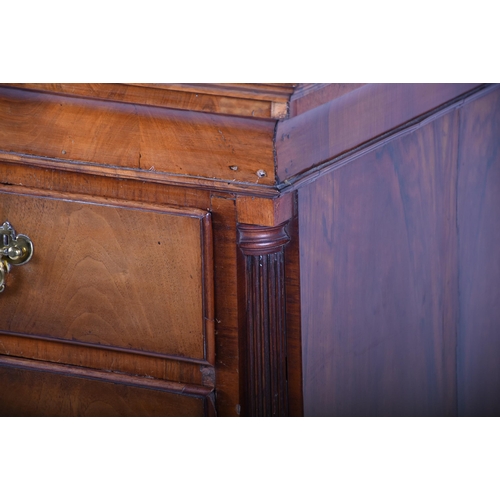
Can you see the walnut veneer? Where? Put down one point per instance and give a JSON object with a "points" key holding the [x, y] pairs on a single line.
{"points": [[251, 249]]}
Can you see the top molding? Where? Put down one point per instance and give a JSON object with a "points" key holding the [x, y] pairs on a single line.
{"points": [[260, 140], [255, 100], [269, 101]]}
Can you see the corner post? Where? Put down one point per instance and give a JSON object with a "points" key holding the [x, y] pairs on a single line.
{"points": [[265, 363]]}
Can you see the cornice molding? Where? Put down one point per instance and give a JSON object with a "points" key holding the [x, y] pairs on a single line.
{"points": [[252, 100]]}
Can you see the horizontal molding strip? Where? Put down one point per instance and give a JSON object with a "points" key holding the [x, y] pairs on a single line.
{"points": [[124, 350], [116, 378], [269, 102], [217, 185]]}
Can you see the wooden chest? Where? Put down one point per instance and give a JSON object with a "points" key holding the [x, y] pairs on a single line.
{"points": [[250, 249]]}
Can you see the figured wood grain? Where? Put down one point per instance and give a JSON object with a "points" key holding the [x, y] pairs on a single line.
{"points": [[31, 388], [129, 277], [379, 282], [147, 138], [321, 134], [479, 257]]}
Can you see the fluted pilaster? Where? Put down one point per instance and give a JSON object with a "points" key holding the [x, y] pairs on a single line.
{"points": [[265, 337]]}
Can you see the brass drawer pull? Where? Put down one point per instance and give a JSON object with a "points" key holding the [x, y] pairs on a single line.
{"points": [[14, 250]]}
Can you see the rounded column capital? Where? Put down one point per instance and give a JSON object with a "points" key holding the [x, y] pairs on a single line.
{"points": [[261, 240]]}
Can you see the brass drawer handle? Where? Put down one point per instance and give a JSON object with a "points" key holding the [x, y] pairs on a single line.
{"points": [[14, 250]]}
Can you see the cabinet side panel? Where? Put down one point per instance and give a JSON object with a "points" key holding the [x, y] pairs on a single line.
{"points": [[378, 277], [479, 257], [354, 118]]}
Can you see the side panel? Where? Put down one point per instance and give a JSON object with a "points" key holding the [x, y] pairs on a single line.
{"points": [[354, 118], [378, 277], [479, 257]]}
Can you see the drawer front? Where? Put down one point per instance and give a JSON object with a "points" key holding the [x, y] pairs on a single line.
{"points": [[125, 276], [44, 389]]}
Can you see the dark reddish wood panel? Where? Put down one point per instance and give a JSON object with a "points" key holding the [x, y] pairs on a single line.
{"points": [[358, 116], [307, 96], [378, 279], [479, 257], [293, 331]]}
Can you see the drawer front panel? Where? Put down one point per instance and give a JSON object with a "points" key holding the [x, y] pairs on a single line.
{"points": [[130, 276], [38, 389]]}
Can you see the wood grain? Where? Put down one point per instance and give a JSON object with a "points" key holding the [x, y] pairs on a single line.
{"points": [[228, 394], [137, 137], [479, 257], [378, 279], [278, 92], [327, 131], [275, 92], [107, 358], [106, 321], [111, 275], [30, 176], [307, 96], [173, 181], [264, 212], [258, 102], [31, 388], [293, 321]]}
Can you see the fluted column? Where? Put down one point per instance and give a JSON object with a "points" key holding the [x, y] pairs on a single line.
{"points": [[265, 336]]}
